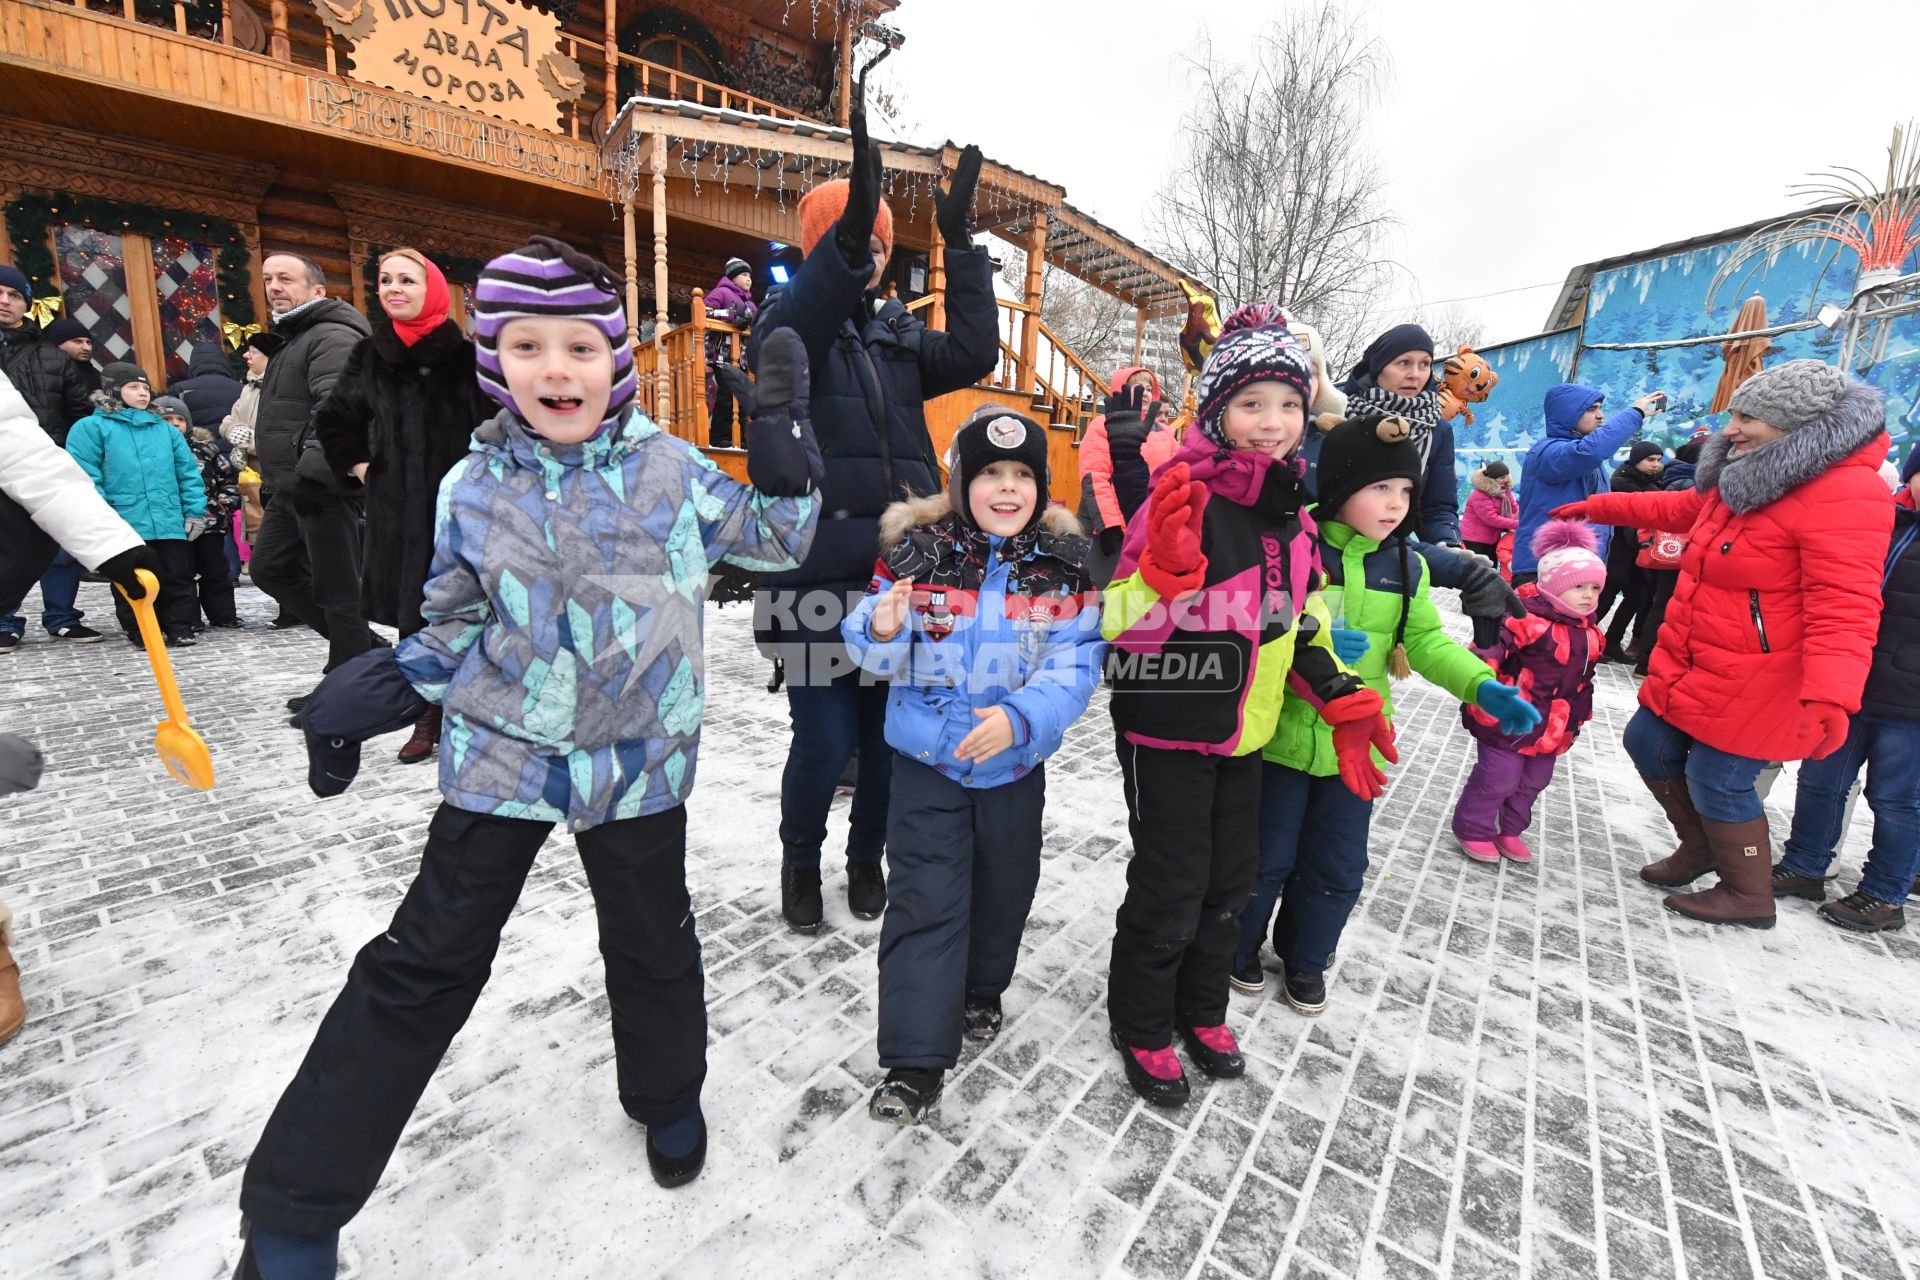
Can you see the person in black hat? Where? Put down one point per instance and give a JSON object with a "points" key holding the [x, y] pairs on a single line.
{"points": [[731, 300], [982, 615], [72, 337], [1627, 581], [1385, 626]]}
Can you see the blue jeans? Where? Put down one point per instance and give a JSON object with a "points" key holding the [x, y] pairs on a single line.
{"points": [[1890, 750], [1720, 782], [1316, 880], [58, 587], [830, 722]]}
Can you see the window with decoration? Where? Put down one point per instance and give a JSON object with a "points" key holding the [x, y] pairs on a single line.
{"points": [[149, 299]]}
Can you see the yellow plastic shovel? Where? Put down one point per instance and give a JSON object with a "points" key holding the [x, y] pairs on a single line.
{"points": [[183, 751]]}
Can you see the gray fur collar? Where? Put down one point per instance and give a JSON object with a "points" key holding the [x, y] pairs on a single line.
{"points": [[1768, 472]]}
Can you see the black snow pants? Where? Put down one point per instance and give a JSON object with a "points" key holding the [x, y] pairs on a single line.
{"points": [[411, 988], [1195, 822], [962, 867]]}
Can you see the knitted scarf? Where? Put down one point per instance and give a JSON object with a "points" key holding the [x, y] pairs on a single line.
{"points": [[1422, 412]]}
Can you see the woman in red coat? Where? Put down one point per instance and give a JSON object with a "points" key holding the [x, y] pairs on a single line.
{"points": [[1770, 631]]}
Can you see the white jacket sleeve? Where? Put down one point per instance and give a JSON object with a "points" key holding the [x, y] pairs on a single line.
{"points": [[37, 473]]}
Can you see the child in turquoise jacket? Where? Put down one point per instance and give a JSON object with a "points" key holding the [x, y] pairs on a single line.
{"points": [[1369, 473], [982, 615], [147, 473]]}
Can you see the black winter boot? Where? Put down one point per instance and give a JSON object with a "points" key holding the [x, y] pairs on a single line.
{"points": [[906, 1095], [982, 1017], [800, 898], [866, 889]]}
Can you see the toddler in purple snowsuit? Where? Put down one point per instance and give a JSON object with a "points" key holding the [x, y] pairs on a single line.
{"points": [[1549, 656]]}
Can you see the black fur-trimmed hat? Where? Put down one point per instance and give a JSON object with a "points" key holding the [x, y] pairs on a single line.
{"points": [[996, 433]]}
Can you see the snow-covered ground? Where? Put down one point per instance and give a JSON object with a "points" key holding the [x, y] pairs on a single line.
{"points": [[1524, 1071]]}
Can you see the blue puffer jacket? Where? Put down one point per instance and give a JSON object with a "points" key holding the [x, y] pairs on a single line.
{"points": [[564, 616], [141, 466], [873, 370], [1567, 466], [1026, 638]]}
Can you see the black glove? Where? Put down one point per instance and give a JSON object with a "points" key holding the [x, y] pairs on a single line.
{"points": [[119, 569], [357, 700], [1483, 592], [952, 208], [864, 179], [1127, 402], [1110, 539], [783, 460]]}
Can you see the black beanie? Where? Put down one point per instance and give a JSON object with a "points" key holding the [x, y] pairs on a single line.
{"points": [[1360, 452], [1495, 470], [65, 329], [995, 433], [1641, 450], [119, 374]]}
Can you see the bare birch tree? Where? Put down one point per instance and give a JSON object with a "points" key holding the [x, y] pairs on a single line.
{"points": [[1277, 194], [1452, 324]]}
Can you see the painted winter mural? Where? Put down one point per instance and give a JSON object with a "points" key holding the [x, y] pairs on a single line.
{"points": [[1666, 298], [1508, 422]]}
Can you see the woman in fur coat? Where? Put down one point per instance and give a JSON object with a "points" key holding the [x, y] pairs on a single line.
{"points": [[400, 417]]}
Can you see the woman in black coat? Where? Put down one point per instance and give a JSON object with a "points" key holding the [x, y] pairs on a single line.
{"points": [[1626, 580], [873, 366], [400, 417]]}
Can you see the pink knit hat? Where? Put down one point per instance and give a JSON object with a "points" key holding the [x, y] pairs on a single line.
{"points": [[1567, 560]]}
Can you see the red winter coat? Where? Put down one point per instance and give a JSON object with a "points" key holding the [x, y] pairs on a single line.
{"points": [[1775, 608]]}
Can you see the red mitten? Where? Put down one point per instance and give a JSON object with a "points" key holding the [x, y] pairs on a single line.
{"points": [[1832, 722], [1172, 562], [1358, 725], [1570, 511]]}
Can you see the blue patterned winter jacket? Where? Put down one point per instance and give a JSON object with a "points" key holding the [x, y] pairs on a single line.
{"points": [[564, 616]]}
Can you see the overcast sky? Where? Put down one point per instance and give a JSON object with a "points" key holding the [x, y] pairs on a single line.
{"points": [[1519, 139]]}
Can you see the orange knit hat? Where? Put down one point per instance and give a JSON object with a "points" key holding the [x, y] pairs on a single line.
{"points": [[821, 207]]}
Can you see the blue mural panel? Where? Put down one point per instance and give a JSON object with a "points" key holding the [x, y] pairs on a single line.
{"points": [[1508, 422], [1665, 298]]}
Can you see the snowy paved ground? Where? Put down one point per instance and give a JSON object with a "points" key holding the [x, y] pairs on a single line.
{"points": [[1524, 1071]]}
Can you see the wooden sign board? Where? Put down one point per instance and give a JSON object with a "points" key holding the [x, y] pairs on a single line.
{"points": [[497, 57]]}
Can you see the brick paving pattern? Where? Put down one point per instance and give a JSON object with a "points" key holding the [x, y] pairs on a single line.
{"points": [[1525, 1071]]}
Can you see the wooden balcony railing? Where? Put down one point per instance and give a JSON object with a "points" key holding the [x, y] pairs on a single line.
{"points": [[1061, 387], [685, 379], [651, 80]]}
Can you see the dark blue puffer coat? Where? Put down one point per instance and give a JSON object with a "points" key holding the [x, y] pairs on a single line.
{"points": [[209, 387], [869, 367]]}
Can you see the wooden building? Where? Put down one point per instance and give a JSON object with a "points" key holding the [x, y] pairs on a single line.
{"points": [[152, 151]]}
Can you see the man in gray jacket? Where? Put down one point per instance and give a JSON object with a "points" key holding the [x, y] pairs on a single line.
{"points": [[307, 554]]}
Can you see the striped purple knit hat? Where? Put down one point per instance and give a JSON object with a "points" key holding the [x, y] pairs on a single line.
{"points": [[547, 277]]}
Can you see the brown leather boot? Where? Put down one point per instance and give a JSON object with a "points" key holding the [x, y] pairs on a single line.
{"points": [[1744, 858], [1693, 858], [13, 1009], [426, 736]]}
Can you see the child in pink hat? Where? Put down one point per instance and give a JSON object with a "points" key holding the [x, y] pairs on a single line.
{"points": [[1549, 656]]}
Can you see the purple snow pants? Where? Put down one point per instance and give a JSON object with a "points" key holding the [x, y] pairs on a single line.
{"points": [[1498, 798]]}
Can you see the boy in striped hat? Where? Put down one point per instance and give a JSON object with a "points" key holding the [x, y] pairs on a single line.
{"points": [[563, 642]]}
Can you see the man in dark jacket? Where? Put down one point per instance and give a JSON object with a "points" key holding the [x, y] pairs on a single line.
{"points": [[72, 337], [874, 365], [51, 383], [209, 388], [1884, 738], [307, 552]]}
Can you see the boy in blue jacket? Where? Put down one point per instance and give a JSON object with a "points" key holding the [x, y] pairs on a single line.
{"points": [[146, 472], [1570, 463], [982, 615], [563, 641]]}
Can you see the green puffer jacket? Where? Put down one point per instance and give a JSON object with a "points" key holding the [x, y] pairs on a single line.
{"points": [[1302, 740]]}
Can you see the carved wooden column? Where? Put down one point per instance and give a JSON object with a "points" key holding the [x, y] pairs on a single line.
{"points": [[1036, 247], [1139, 333], [613, 60], [663, 401], [279, 48]]}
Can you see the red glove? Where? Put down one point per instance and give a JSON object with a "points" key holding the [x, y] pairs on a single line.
{"points": [[1172, 562], [1571, 511], [1357, 726], [1832, 722]]}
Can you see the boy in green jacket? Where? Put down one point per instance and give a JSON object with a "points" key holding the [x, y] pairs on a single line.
{"points": [[1386, 624]]}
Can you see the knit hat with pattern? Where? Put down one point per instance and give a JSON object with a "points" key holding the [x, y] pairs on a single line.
{"points": [[549, 278], [1254, 346]]}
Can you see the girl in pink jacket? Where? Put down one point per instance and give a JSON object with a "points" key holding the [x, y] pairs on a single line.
{"points": [[1491, 510]]}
